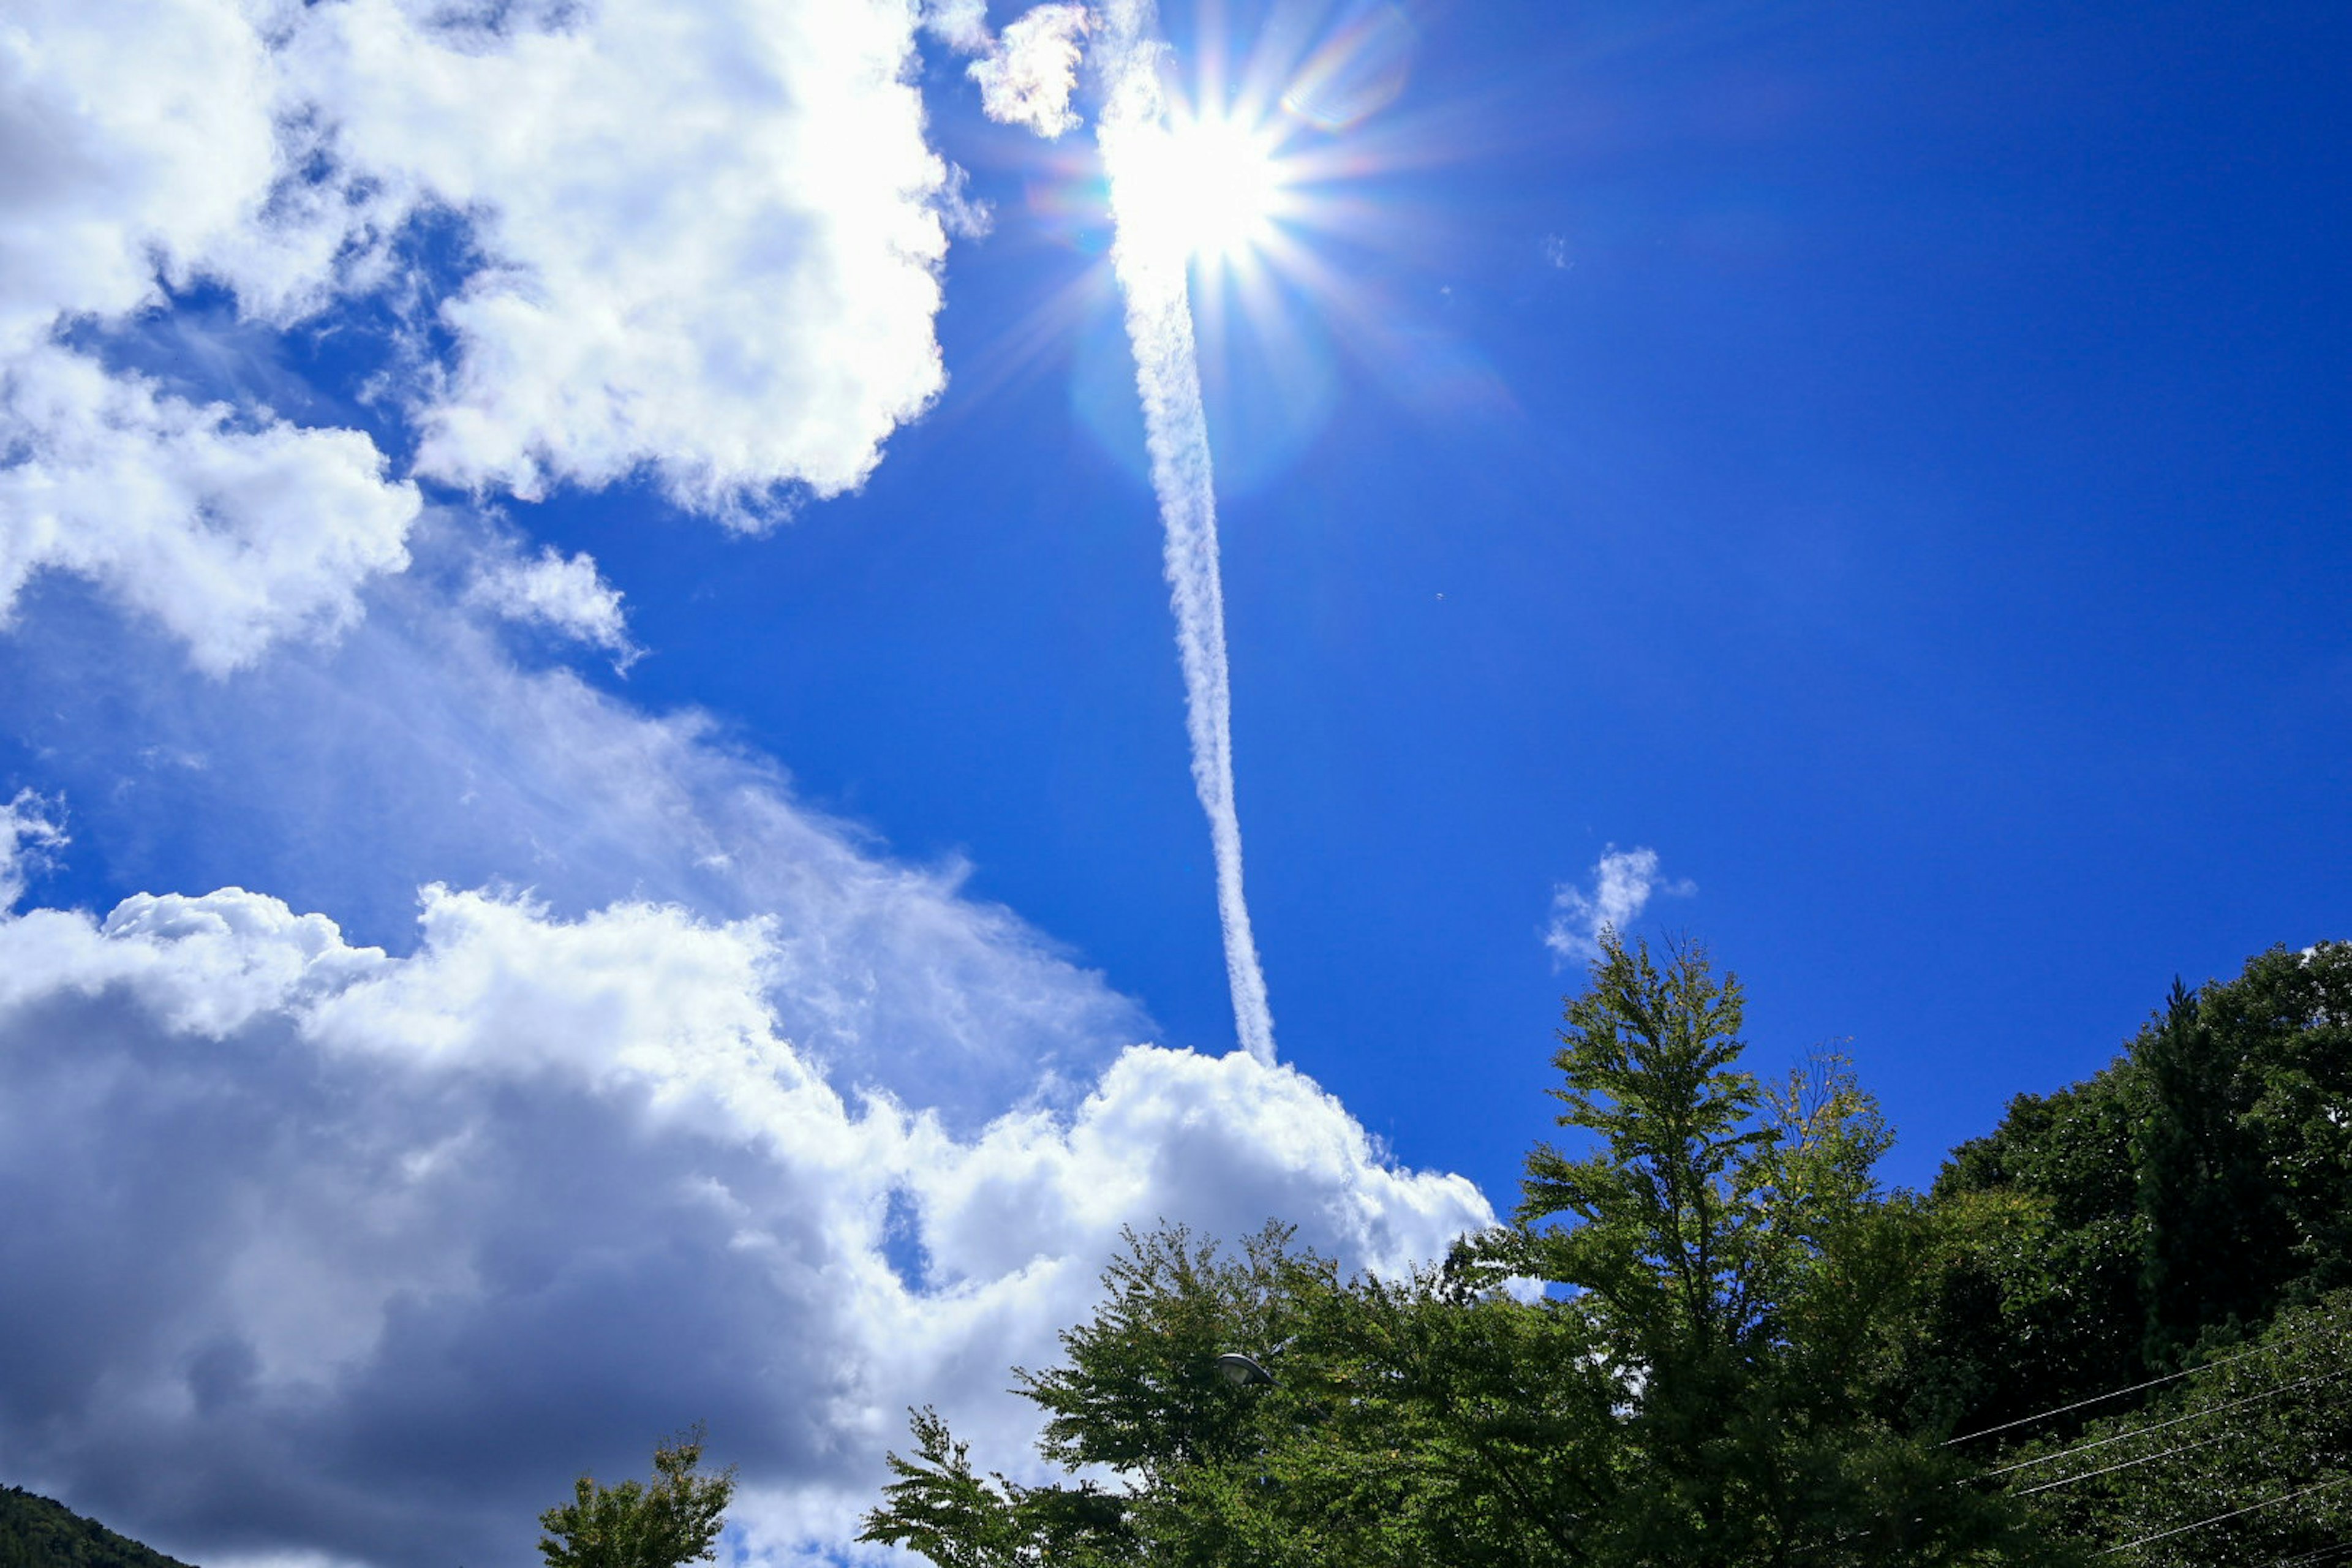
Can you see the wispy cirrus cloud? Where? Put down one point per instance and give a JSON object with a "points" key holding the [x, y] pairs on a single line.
{"points": [[418, 749]]}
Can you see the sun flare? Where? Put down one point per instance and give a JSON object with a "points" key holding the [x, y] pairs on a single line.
{"points": [[1203, 188]]}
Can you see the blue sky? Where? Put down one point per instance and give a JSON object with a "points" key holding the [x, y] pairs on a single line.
{"points": [[1878, 473]]}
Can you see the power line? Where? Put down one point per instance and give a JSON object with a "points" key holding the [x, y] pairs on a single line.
{"points": [[2218, 1518], [2311, 1558], [2126, 1465], [2135, 1388], [2160, 1426]]}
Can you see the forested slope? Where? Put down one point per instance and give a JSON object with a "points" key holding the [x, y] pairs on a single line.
{"points": [[2155, 1213], [35, 1532]]}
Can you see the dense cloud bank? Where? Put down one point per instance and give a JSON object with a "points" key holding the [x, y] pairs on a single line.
{"points": [[322, 1250], [334, 1248]]}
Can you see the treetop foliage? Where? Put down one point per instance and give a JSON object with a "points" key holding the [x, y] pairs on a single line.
{"points": [[1692, 1387], [1707, 1202], [2157, 1213], [675, 1519], [1711, 1339]]}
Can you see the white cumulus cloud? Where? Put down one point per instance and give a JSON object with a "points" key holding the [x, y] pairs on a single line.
{"points": [[131, 132], [565, 593], [31, 829], [710, 243], [962, 25], [141, 147], [327, 1251], [231, 528], [1623, 883], [701, 245], [1028, 76]]}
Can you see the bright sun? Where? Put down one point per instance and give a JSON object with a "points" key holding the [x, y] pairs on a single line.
{"points": [[1203, 188]]}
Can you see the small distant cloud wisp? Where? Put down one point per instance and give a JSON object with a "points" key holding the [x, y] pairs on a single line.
{"points": [[32, 829], [1622, 885], [1028, 74], [1028, 77], [564, 595]]}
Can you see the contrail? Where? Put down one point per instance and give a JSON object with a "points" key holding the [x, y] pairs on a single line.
{"points": [[1168, 375]]}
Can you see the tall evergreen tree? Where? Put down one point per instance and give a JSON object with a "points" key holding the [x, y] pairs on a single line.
{"points": [[2212, 1242]]}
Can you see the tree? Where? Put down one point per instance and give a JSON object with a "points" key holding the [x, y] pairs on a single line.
{"points": [[2035, 1295], [1744, 1280], [2248, 1459], [1410, 1421], [2284, 1030], [38, 1532], [2152, 1216], [1139, 1393], [1728, 1294], [2213, 1240], [674, 1520]]}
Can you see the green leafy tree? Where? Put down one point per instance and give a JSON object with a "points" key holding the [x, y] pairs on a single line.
{"points": [[674, 1519], [2248, 1459], [2213, 1240], [1728, 1294], [38, 1532], [2035, 1295], [1747, 1283], [2152, 1216], [1409, 1421], [2286, 1022]]}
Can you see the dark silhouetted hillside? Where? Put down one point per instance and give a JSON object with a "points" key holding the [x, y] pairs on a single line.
{"points": [[35, 1532]]}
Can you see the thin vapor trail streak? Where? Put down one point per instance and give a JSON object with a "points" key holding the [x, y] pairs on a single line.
{"points": [[1168, 377]]}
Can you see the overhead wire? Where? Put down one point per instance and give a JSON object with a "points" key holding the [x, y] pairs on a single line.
{"points": [[2314, 1558], [2222, 1517], [2160, 1426], [2322, 1558], [2135, 1388], [2125, 1465]]}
